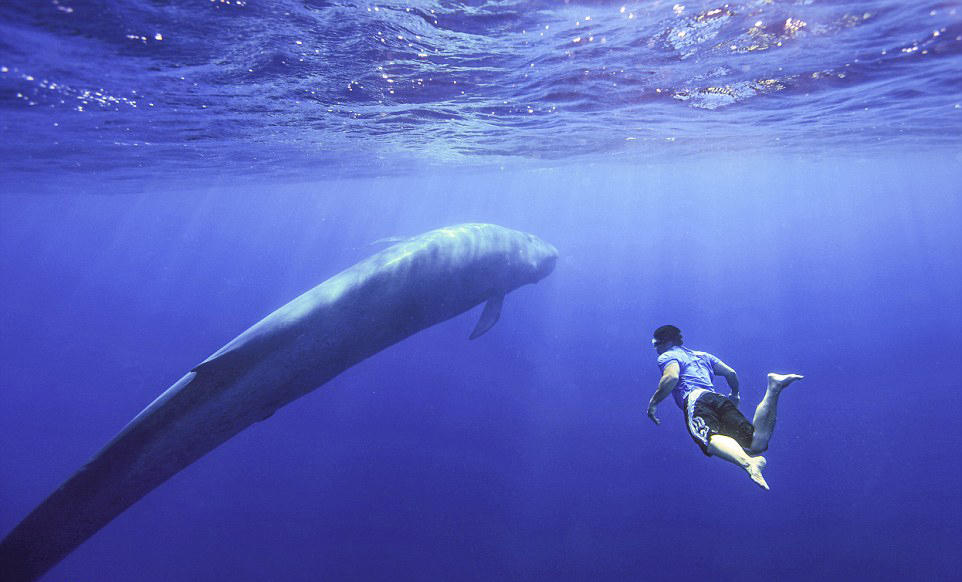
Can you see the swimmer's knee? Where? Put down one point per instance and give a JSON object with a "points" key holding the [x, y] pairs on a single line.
{"points": [[756, 450]]}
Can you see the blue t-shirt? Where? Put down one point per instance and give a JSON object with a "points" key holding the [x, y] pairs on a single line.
{"points": [[696, 370]]}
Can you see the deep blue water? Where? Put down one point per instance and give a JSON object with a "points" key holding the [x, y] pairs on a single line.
{"points": [[779, 179]]}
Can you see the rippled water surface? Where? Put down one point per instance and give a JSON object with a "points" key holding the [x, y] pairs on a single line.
{"points": [[309, 88]]}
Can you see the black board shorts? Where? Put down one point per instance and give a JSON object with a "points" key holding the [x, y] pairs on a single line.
{"points": [[709, 413]]}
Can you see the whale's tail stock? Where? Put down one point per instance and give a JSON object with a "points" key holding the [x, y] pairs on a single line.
{"points": [[131, 465]]}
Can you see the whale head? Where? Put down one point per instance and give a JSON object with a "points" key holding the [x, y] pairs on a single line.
{"points": [[527, 258], [519, 258], [505, 258], [542, 257]]}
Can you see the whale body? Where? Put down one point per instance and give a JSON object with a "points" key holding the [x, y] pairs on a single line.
{"points": [[378, 302]]}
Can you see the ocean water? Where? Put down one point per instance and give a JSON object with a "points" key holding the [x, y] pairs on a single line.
{"points": [[779, 179]]}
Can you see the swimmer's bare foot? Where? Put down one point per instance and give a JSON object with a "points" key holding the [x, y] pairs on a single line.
{"points": [[779, 381], [754, 470]]}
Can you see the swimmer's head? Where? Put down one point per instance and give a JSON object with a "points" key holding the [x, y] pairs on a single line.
{"points": [[664, 335]]}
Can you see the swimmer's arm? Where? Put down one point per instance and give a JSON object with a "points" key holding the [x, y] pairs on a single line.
{"points": [[720, 368], [669, 379]]}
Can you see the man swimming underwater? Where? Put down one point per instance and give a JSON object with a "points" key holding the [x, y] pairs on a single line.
{"points": [[713, 420]]}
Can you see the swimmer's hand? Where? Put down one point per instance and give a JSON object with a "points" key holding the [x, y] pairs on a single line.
{"points": [[651, 414], [735, 398]]}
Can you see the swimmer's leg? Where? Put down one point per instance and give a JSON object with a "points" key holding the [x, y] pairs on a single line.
{"points": [[725, 447], [764, 420]]}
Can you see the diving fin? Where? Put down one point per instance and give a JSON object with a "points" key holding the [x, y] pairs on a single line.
{"points": [[490, 315]]}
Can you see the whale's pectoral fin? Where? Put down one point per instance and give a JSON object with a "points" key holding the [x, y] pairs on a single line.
{"points": [[490, 315]]}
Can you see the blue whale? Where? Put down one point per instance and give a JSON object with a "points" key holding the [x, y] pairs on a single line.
{"points": [[376, 303]]}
